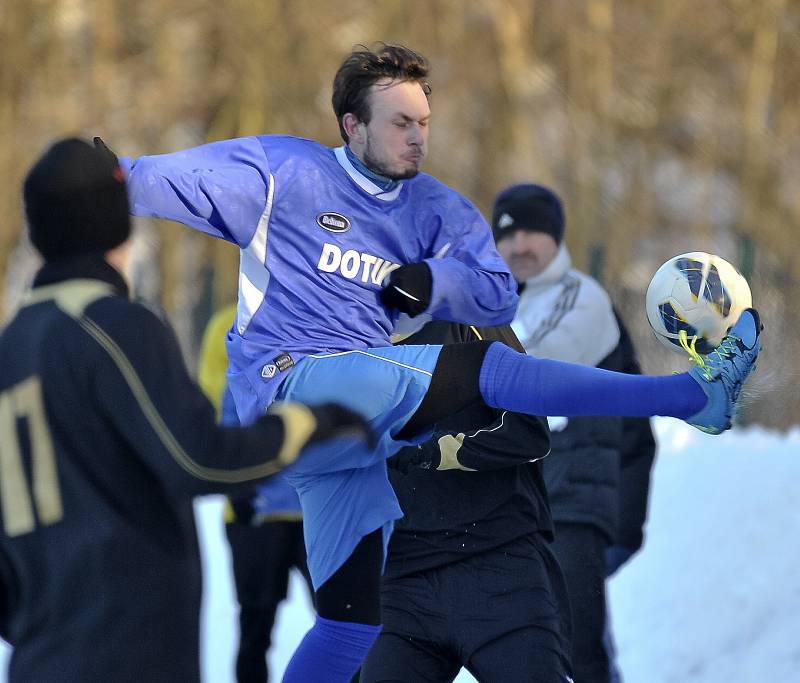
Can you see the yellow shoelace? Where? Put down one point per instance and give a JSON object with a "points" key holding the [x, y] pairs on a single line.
{"points": [[694, 356], [697, 359]]}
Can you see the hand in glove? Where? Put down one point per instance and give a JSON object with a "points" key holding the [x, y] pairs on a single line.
{"points": [[409, 289], [101, 146], [424, 456], [335, 421]]}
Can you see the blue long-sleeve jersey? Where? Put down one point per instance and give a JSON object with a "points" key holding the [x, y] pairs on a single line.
{"points": [[318, 240]]}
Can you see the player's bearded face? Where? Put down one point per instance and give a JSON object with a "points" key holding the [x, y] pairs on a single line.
{"points": [[396, 138]]}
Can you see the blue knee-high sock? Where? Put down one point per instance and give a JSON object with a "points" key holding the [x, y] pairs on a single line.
{"points": [[514, 381], [330, 652]]}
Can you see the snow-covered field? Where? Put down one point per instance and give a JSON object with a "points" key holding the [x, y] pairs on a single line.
{"points": [[714, 596]]}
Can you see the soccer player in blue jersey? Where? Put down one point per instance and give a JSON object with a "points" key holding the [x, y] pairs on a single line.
{"points": [[335, 245]]}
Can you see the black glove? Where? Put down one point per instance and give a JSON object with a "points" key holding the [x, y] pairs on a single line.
{"points": [[409, 289], [334, 421], [425, 456], [101, 146]]}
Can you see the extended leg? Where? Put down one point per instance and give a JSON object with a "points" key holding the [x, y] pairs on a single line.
{"points": [[705, 397], [509, 380]]}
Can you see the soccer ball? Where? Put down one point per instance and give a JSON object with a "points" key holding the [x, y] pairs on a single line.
{"points": [[700, 293]]}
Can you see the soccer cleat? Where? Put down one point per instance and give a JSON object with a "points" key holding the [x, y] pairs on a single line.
{"points": [[722, 373]]}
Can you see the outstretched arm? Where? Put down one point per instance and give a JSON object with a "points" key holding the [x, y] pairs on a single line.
{"points": [[221, 188], [511, 440], [162, 416]]}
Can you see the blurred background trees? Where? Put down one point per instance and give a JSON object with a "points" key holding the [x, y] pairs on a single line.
{"points": [[666, 125]]}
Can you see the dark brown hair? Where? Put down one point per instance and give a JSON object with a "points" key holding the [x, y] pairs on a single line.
{"points": [[363, 67]]}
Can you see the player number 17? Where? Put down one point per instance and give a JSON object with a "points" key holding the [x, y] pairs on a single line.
{"points": [[23, 405]]}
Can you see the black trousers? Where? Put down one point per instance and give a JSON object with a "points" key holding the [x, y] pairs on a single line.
{"points": [[500, 614], [581, 552], [262, 557]]}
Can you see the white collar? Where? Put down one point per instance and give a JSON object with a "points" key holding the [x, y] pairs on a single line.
{"points": [[362, 181]]}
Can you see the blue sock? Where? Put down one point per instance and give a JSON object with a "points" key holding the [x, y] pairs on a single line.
{"points": [[330, 652], [514, 381]]}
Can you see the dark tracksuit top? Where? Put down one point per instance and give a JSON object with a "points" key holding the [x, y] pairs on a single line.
{"points": [[458, 514], [104, 439]]}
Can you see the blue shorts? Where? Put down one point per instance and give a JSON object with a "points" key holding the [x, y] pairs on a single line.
{"points": [[343, 487]]}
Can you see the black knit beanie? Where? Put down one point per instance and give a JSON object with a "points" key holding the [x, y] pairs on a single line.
{"points": [[528, 207], [76, 201]]}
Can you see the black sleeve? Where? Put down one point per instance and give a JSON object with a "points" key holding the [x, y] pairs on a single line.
{"points": [[510, 440], [145, 391], [505, 439]]}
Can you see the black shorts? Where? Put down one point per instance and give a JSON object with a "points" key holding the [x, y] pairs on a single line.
{"points": [[503, 615]]}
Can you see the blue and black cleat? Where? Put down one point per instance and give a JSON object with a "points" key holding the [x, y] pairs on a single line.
{"points": [[722, 373]]}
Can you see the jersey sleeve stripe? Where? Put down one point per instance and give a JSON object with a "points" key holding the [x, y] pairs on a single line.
{"points": [[163, 432], [254, 274]]}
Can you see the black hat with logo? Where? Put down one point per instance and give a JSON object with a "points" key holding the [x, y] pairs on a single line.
{"points": [[528, 207]]}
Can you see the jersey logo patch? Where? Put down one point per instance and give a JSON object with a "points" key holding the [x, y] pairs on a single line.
{"points": [[333, 222], [283, 362]]}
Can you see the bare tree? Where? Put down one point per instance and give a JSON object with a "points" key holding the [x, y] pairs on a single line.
{"points": [[667, 125]]}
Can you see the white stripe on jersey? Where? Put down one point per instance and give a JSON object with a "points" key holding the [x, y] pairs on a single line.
{"points": [[253, 273]]}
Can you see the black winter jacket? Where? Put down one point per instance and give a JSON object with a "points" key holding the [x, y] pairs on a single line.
{"points": [[599, 470], [104, 439]]}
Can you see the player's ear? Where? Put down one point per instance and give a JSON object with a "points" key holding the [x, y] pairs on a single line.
{"points": [[354, 128]]}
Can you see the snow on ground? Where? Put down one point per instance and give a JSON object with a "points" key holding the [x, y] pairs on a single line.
{"points": [[714, 596]]}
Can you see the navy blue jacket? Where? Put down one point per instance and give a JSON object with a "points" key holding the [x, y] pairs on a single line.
{"points": [[599, 471], [104, 439]]}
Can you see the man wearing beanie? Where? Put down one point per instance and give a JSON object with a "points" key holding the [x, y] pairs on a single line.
{"points": [[76, 202], [104, 439], [566, 315]]}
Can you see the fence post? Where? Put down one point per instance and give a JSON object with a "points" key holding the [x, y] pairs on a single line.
{"points": [[597, 261]]}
